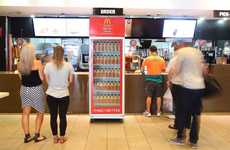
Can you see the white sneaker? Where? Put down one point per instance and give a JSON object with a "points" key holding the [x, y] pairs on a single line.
{"points": [[177, 141], [194, 145], [147, 114], [158, 114]]}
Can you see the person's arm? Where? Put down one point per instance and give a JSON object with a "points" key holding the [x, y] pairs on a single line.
{"points": [[175, 67], [40, 70], [143, 65], [163, 66], [169, 65], [17, 71], [46, 75], [71, 73], [205, 67]]}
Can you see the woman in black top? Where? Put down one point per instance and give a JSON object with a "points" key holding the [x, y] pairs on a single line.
{"points": [[31, 92]]}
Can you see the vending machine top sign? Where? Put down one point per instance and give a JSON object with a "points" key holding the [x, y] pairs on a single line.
{"points": [[108, 11], [107, 26]]}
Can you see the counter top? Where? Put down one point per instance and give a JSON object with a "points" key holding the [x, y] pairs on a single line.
{"points": [[7, 72], [132, 73], [81, 73], [12, 72], [4, 94], [163, 73]]}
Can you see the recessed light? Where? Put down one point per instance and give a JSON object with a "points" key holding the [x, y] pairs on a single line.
{"points": [[220, 21], [200, 20]]}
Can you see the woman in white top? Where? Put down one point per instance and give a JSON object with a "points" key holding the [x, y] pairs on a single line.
{"points": [[58, 75]]}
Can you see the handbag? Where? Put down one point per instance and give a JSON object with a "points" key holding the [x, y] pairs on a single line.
{"points": [[168, 101], [212, 86]]}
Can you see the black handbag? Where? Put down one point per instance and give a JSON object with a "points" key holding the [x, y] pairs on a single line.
{"points": [[212, 86]]}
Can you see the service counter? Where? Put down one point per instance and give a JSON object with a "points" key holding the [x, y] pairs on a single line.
{"points": [[134, 92]]}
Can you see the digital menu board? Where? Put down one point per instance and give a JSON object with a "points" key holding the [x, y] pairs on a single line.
{"points": [[69, 27]]}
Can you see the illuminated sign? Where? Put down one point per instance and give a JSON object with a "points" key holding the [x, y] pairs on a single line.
{"points": [[108, 11], [107, 21], [222, 13], [107, 26]]}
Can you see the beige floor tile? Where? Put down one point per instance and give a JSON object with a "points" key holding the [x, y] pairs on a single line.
{"points": [[134, 133]]}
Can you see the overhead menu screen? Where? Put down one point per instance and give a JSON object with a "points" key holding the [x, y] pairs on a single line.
{"points": [[77, 27], [61, 27], [179, 28]]}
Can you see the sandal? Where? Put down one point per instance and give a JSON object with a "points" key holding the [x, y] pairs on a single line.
{"points": [[38, 138], [55, 139], [28, 138], [62, 140], [172, 126]]}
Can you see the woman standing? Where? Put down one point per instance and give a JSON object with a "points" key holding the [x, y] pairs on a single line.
{"points": [[31, 92], [58, 75]]}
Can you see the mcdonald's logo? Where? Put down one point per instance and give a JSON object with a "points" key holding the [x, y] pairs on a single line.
{"points": [[107, 21]]}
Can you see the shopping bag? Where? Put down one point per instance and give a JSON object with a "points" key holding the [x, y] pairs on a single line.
{"points": [[212, 86], [168, 101]]}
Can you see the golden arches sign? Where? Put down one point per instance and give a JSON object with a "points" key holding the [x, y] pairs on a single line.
{"points": [[107, 21]]}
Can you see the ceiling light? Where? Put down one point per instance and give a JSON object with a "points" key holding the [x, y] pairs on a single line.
{"points": [[200, 20], [220, 21]]}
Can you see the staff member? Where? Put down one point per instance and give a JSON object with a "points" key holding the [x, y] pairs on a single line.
{"points": [[153, 65]]}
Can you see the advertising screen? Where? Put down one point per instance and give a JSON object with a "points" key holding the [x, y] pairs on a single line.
{"points": [[77, 27], [179, 28], [147, 28]]}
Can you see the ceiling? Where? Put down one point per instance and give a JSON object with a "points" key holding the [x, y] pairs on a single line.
{"points": [[75, 11], [194, 8]]}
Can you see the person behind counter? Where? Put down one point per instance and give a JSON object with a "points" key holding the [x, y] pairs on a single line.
{"points": [[59, 75], [31, 92], [153, 65]]}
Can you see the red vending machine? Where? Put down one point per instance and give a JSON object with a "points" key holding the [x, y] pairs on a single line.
{"points": [[106, 67]]}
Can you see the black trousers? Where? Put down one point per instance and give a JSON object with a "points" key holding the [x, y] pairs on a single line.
{"points": [[189, 107], [58, 106], [176, 91]]}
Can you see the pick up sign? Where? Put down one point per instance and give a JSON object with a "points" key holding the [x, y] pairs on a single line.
{"points": [[222, 13]]}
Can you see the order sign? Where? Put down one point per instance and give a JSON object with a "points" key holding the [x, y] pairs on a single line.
{"points": [[107, 26]]}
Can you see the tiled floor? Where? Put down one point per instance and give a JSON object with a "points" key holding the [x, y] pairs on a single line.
{"points": [[134, 133]]}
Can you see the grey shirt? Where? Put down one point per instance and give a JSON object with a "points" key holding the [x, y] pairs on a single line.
{"points": [[189, 68]]}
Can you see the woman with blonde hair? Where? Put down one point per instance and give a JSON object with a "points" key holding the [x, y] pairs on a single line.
{"points": [[58, 75], [31, 92]]}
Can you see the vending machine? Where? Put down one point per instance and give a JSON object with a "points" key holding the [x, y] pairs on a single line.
{"points": [[106, 77]]}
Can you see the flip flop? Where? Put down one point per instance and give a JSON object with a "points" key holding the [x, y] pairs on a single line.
{"points": [[28, 139], [38, 138]]}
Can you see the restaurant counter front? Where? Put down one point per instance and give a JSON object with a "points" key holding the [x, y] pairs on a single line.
{"points": [[134, 93]]}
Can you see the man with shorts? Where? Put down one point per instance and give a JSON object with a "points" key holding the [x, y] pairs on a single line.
{"points": [[153, 65]]}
